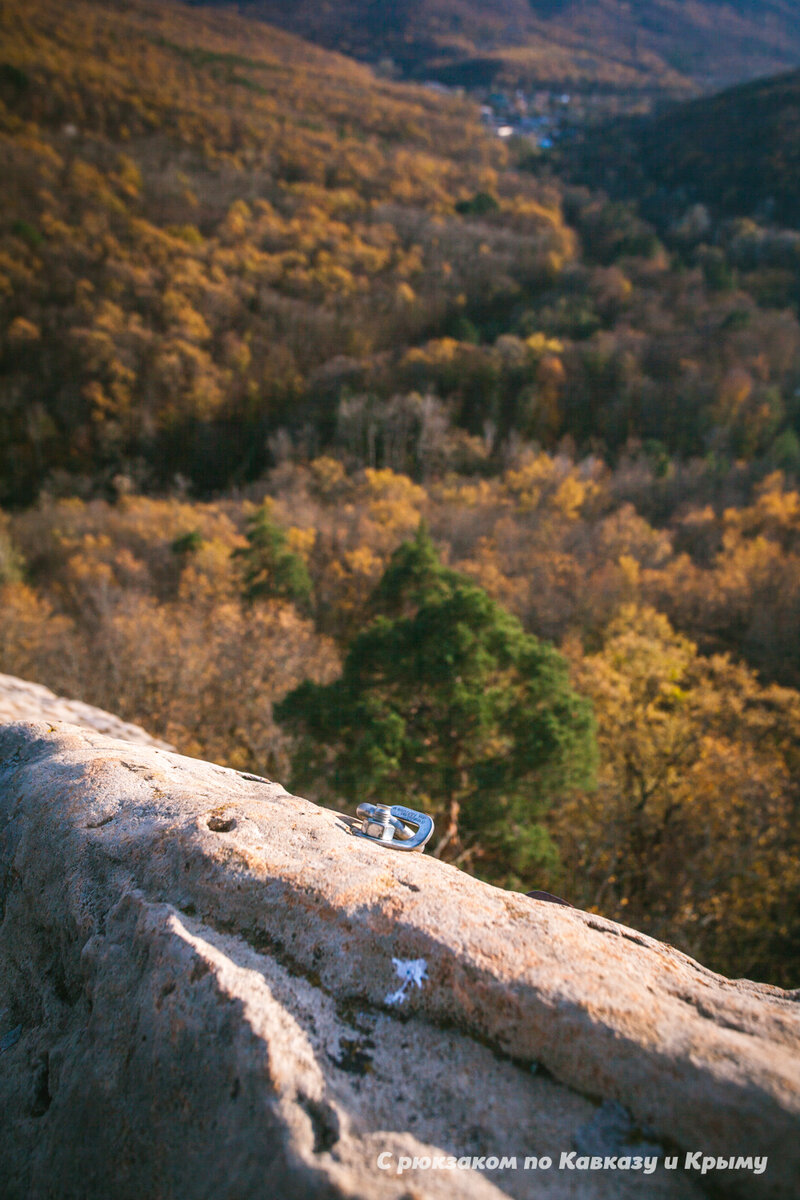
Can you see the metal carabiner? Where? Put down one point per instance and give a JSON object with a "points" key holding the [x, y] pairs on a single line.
{"points": [[384, 824]]}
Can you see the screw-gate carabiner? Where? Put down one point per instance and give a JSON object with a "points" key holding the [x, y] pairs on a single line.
{"points": [[384, 824]]}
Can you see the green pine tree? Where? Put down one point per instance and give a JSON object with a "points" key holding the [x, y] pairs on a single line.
{"points": [[270, 568], [447, 704]]}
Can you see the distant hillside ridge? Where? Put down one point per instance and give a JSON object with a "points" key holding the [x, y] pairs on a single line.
{"points": [[738, 152], [672, 45], [199, 213]]}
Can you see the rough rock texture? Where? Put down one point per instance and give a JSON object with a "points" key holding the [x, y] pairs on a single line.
{"points": [[199, 998], [23, 701]]}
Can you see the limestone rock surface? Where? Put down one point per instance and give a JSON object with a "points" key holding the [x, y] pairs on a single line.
{"points": [[210, 988], [21, 700]]}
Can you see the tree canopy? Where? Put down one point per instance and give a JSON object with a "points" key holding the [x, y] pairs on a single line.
{"points": [[269, 566], [445, 703]]}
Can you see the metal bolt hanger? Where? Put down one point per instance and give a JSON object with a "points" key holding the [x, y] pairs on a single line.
{"points": [[385, 824]]}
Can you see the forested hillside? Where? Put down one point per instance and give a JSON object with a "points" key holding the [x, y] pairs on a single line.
{"points": [[214, 236], [647, 45], [263, 315], [737, 152], [207, 225]]}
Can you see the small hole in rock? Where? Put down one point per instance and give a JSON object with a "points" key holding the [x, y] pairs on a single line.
{"points": [[221, 824], [41, 1088], [324, 1122]]}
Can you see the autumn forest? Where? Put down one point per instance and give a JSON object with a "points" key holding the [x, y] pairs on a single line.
{"points": [[300, 365]]}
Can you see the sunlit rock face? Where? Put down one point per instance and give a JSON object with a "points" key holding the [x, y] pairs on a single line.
{"points": [[212, 988], [24, 701]]}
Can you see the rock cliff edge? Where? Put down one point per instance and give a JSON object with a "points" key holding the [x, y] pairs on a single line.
{"points": [[206, 991]]}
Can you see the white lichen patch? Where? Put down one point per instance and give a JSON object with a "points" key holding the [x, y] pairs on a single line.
{"points": [[410, 970]]}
